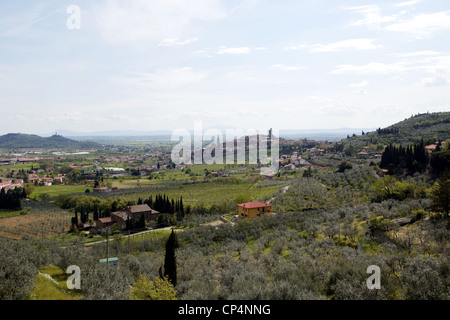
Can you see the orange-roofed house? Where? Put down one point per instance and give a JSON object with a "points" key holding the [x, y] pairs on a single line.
{"points": [[254, 209]]}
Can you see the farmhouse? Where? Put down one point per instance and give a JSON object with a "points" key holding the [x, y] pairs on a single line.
{"points": [[104, 222], [254, 209], [138, 210], [363, 155], [4, 184], [134, 212], [47, 181], [430, 148]]}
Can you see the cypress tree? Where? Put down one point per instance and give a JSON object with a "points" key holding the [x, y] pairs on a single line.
{"points": [[170, 263], [181, 206], [2, 199]]}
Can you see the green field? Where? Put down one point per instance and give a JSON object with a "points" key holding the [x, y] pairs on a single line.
{"points": [[11, 213], [56, 190], [205, 193]]}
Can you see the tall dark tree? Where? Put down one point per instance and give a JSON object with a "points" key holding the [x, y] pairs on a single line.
{"points": [[170, 263], [11, 199], [410, 158], [441, 194]]}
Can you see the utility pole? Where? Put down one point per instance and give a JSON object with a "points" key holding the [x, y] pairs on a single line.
{"points": [[128, 240], [107, 246], [339, 221]]}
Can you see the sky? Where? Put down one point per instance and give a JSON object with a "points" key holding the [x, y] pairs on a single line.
{"points": [[143, 65]]}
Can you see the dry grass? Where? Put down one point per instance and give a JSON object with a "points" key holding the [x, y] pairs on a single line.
{"points": [[214, 223]]}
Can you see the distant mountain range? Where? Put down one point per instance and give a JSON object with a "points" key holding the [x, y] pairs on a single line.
{"points": [[427, 125], [112, 133], [32, 141], [322, 134], [314, 134]]}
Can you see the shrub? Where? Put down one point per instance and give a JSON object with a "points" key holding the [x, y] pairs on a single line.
{"points": [[158, 289]]}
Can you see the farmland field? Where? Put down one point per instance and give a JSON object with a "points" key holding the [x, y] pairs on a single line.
{"points": [[36, 221], [56, 190], [206, 193]]}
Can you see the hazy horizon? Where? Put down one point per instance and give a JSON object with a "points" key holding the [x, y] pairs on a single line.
{"points": [[131, 132]]}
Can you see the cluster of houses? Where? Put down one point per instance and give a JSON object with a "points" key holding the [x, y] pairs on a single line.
{"points": [[432, 147], [46, 180], [23, 160], [293, 161], [10, 184], [246, 210]]}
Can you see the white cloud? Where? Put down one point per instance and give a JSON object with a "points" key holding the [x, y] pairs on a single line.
{"points": [[245, 5], [138, 21], [287, 68], [372, 17], [176, 42], [419, 53], [164, 78], [209, 52], [429, 61], [423, 25], [71, 117], [439, 78], [370, 68], [238, 50], [126, 118], [407, 3], [297, 47], [346, 45], [359, 84], [436, 81]]}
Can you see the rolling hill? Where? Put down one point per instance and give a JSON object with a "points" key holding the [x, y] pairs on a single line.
{"points": [[430, 127], [31, 141]]}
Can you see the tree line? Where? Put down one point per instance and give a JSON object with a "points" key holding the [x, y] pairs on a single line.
{"points": [[413, 158], [385, 131], [11, 200], [163, 204]]}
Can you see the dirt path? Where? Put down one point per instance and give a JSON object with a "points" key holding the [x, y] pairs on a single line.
{"points": [[213, 223], [285, 189]]}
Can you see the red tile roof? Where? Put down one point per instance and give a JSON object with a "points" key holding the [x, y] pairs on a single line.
{"points": [[254, 204]]}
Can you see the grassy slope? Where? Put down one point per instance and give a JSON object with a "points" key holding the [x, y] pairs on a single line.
{"points": [[56, 289]]}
